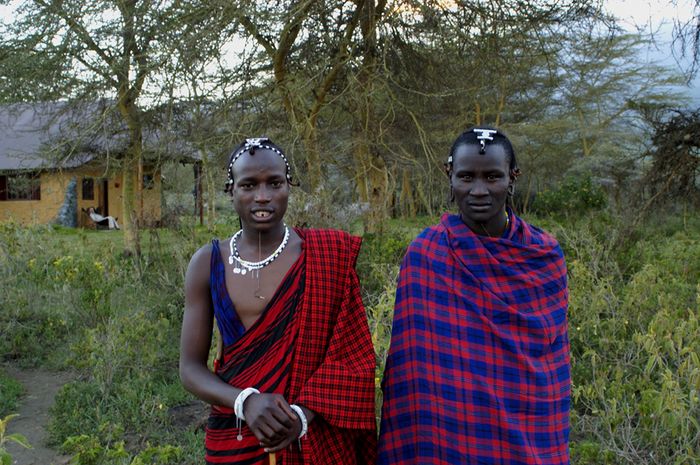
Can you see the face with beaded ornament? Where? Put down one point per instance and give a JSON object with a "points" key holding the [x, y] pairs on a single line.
{"points": [[258, 181], [482, 171]]}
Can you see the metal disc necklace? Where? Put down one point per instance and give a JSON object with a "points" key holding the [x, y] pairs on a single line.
{"points": [[245, 265], [242, 267]]}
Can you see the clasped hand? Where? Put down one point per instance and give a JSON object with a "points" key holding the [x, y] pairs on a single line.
{"points": [[272, 420]]}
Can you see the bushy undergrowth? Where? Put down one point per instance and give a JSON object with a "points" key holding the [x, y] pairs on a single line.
{"points": [[635, 341], [575, 195], [10, 391], [71, 300]]}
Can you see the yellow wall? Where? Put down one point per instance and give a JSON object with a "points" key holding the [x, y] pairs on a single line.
{"points": [[53, 188]]}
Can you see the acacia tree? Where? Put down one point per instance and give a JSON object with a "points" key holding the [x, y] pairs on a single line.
{"points": [[687, 35], [306, 45], [591, 125], [199, 114], [675, 156], [602, 77], [450, 66], [115, 49], [371, 172]]}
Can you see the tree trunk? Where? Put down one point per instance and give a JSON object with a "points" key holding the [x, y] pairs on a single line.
{"points": [[211, 190], [371, 176], [407, 203], [129, 223], [131, 181], [205, 182], [371, 171], [313, 156]]}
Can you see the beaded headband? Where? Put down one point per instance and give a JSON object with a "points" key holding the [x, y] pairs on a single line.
{"points": [[250, 146], [482, 135]]}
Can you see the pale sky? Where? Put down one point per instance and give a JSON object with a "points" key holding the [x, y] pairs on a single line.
{"points": [[645, 11], [657, 16]]}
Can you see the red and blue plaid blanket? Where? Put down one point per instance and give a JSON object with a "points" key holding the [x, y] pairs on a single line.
{"points": [[478, 369]]}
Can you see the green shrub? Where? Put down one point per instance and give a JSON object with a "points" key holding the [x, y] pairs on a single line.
{"points": [[635, 342], [132, 361], [633, 320], [90, 450], [380, 314], [5, 438], [379, 256], [573, 196], [10, 392]]}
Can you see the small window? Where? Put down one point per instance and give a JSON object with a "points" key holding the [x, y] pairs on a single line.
{"points": [[25, 186], [149, 181], [88, 189]]}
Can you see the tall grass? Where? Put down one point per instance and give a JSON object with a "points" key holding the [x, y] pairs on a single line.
{"points": [[69, 299]]}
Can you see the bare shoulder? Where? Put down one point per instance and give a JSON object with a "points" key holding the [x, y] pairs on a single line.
{"points": [[199, 266]]}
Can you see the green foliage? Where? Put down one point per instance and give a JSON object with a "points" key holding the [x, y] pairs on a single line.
{"points": [[134, 380], [572, 196], [59, 283], [73, 302], [378, 266], [5, 457], [635, 345], [52, 290], [10, 391], [380, 254], [634, 331], [89, 450], [380, 314]]}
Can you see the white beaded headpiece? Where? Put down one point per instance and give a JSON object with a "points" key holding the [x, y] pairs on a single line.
{"points": [[482, 135], [250, 146]]}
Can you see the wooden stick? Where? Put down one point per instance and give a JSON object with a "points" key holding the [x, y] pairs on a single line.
{"points": [[273, 459]]}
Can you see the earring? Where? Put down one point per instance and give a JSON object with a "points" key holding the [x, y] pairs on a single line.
{"points": [[452, 194], [511, 189]]}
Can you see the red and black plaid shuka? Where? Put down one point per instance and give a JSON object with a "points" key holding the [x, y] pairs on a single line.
{"points": [[312, 345]]}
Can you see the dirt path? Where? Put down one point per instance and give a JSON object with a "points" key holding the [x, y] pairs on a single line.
{"points": [[40, 389]]}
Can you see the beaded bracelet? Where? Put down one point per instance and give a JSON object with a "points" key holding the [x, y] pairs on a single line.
{"points": [[240, 400], [302, 417]]}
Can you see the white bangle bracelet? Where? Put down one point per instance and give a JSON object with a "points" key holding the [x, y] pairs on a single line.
{"points": [[240, 400], [302, 417]]}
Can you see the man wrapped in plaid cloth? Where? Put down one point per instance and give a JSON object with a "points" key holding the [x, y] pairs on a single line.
{"points": [[478, 371], [293, 380]]}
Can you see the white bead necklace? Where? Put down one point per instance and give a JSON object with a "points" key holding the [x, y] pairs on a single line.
{"points": [[246, 265]]}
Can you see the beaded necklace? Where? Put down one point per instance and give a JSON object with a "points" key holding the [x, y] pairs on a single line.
{"points": [[246, 265]]}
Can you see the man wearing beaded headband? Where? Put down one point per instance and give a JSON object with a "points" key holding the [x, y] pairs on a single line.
{"points": [[250, 146], [293, 381], [478, 368]]}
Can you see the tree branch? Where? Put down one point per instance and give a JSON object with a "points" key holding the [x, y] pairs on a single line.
{"points": [[80, 30], [339, 61]]}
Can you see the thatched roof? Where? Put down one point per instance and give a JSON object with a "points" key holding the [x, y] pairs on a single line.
{"points": [[62, 135]]}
